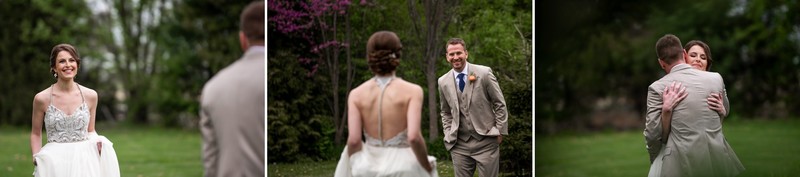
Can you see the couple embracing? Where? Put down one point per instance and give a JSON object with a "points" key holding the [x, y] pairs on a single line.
{"points": [[386, 110], [685, 111]]}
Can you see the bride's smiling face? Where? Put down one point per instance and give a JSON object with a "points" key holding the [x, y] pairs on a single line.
{"points": [[697, 58], [66, 65]]}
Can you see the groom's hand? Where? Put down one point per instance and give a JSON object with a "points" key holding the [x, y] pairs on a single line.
{"points": [[500, 139]]}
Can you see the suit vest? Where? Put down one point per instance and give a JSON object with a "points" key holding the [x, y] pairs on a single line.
{"points": [[465, 127]]}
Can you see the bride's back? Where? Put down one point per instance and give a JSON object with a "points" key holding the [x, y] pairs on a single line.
{"points": [[394, 108], [387, 110]]}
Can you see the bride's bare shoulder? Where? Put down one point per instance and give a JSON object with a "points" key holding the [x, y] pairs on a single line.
{"points": [[43, 97], [359, 89], [409, 85], [89, 94]]}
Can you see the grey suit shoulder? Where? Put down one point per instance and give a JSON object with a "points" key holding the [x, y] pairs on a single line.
{"points": [[232, 118]]}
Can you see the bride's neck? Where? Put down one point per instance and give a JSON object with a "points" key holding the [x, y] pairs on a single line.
{"points": [[387, 75], [383, 80], [66, 85]]}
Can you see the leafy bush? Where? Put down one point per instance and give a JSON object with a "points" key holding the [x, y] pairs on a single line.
{"points": [[294, 113], [516, 151], [437, 149]]}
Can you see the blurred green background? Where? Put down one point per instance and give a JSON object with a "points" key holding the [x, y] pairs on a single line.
{"points": [[596, 58], [147, 60], [316, 54]]}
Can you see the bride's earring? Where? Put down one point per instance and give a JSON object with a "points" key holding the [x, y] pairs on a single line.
{"points": [[55, 75]]}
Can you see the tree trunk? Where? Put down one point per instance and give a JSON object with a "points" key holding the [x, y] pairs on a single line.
{"points": [[349, 75], [433, 115], [431, 31]]}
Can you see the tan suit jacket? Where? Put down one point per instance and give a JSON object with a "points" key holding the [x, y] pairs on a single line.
{"points": [[486, 107], [232, 119], [696, 145]]}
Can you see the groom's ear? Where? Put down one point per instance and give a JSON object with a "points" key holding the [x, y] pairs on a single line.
{"points": [[662, 64], [685, 56]]}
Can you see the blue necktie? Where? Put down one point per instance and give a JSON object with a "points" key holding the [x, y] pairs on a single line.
{"points": [[461, 82]]}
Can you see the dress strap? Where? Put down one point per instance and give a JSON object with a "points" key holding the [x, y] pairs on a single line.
{"points": [[52, 87], [83, 99], [383, 81], [81, 91]]}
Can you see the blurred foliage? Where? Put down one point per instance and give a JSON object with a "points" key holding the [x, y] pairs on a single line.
{"points": [[589, 51], [498, 34], [148, 60], [27, 36], [196, 40], [516, 152], [295, 112]]}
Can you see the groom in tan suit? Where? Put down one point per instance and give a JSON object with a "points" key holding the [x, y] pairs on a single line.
{"points": [[694, 145], [473, 113], [232, 106]]}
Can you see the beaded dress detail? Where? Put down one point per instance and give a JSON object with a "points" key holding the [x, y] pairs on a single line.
{"points": [[63, 128]]}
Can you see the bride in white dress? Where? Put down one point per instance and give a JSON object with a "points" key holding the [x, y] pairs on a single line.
{"points": [[388, 111], [67, 111]]}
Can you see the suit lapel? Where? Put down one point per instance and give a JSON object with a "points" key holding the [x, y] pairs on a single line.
{"points": [[450, 88], [469, 86]]}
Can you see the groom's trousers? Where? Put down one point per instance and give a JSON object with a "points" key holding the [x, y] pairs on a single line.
{"points": [[483, 153]]}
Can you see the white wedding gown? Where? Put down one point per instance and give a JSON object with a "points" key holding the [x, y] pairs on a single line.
{"points": [[393, 157], [71, 151], [655, 167]]}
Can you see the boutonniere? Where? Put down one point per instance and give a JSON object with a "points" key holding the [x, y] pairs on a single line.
{"points": [[472, 77]]}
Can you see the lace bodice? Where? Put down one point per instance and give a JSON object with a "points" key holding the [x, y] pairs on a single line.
{"points": [[63, 128], [399, 140]]}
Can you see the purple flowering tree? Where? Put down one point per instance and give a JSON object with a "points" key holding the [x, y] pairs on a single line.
{"points": [[323, 27]]}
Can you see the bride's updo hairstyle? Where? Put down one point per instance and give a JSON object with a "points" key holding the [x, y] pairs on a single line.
{"points": [[383, 52]]}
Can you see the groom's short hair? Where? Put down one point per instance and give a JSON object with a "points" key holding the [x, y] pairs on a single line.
{"points": [[251, 21], [454, 41], [669, 49]]}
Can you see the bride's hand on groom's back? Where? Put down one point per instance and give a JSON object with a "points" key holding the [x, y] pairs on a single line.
{"points": [[715, 103], [672, 95]]}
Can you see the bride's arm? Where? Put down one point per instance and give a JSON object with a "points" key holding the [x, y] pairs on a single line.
{"points": [[414, 133], [36, 127], [353, 125], [92, 98], [672, 95]]}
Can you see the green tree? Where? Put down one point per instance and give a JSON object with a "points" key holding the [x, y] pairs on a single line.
{"points": [[31, 29], [429, 31], [196, 39], [498, 35]]}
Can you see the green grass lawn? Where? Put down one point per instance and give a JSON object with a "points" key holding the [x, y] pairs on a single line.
{"points": [[766, 148], [142, 152]]}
